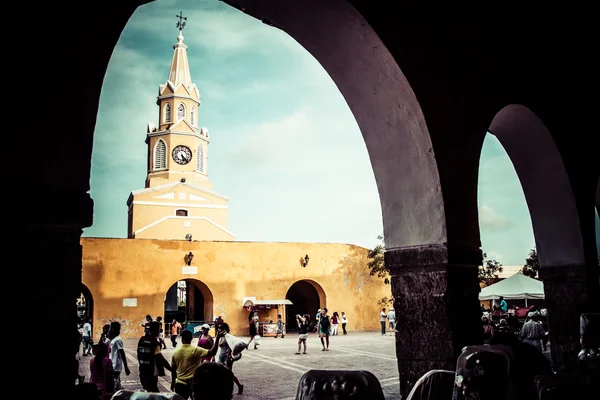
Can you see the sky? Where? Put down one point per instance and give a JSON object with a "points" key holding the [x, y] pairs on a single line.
{"points": [[285, 147]]}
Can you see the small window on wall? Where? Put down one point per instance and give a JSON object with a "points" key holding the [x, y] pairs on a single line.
{"points": [[160, 155], [168, 113], [180, 112], [200, 159], [193, 116], [181, 213]]}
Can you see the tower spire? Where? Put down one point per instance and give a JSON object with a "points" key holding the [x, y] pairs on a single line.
{"points": [[180, 69]]}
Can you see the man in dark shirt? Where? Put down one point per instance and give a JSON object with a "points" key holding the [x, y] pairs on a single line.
{"points": [[152, 363], [146, 325]]}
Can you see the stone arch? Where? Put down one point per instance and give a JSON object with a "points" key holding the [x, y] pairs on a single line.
{"points": [[545, 183], [384, 106], [198, 301], [307, 297]]}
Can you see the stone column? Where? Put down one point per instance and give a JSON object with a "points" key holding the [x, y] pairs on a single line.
{"points": [[51, 253], [569, 291], [435, 293]]}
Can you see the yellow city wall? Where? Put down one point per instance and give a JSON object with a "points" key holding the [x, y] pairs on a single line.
{"points": [[114, 269]]}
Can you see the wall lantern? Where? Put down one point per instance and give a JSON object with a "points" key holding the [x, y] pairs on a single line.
{"points": [[188, 237], [189, 257], [305, 260]]}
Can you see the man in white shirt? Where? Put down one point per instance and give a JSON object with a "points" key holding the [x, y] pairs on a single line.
{"points": [[86, 337], [117, 354], [383, 320]]}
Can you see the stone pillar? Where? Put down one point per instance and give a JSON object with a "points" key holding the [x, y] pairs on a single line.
{"points": [[569, 292], [435, 293], [51, 261]]}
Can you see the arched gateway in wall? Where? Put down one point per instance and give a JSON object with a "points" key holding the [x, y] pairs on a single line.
{"points": [[85, 305], [307, 296], [188, 300]]}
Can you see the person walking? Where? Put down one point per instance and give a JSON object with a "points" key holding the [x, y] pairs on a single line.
{"points": [[186, 359], [344, 323], [206, 342], [146, 323], [161, 332], [116, 354], [279, 327], [86, 337], [383, 320], [532, 331], [324, 329], [152, 363], [225, 355], [392, 319], [101, 372], [335, 321], [303, 323], [175, 328], [252, 328], [104, 335]]}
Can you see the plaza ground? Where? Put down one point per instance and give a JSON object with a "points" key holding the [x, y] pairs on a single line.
{"points": [[273, 371]]}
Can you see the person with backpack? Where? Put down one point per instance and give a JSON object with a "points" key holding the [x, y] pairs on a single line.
{"points": [[324, 329]]}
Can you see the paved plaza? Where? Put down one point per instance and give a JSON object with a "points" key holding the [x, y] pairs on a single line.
{"points": [[273, 371]]}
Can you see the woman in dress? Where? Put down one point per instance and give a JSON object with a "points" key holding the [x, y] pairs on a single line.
{"points": [[206, 342]]}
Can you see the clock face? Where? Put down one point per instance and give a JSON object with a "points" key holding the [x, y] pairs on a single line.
{"points": [[182, 155]]}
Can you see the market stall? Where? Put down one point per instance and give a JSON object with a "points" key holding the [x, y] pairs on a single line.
{"points": [[517, 286], [267, 313]]}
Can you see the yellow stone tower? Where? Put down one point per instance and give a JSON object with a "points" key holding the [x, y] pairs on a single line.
{"points": [[177, 201]]}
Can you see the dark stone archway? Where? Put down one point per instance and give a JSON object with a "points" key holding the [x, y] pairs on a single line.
{"points": [[197, 302], [555, 221], [306, 297], [86, 308], [463, 64]]}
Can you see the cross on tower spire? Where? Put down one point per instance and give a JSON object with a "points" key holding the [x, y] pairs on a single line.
{"points": [[181, 22]]}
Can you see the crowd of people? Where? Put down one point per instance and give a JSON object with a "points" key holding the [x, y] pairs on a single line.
{"points": [[109, 362], [186, 365], [504, 319]]}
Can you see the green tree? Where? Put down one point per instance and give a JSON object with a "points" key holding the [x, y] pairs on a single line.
{"points": [[377, 267], [488, 272], [531, 267]]}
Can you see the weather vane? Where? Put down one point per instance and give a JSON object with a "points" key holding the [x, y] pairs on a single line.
{"points": [[181, 22]]}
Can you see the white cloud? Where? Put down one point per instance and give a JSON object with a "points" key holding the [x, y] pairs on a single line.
{"points": [[280, 144], [491, 220]]}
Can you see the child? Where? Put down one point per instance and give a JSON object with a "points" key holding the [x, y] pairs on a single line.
{"points": [[104, 335], [303, 322]]}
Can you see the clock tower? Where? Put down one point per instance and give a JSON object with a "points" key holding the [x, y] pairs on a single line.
{"points": [[177, 201]]}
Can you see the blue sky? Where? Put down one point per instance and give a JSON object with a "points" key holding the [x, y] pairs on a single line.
{"points": [[285, 147]]}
